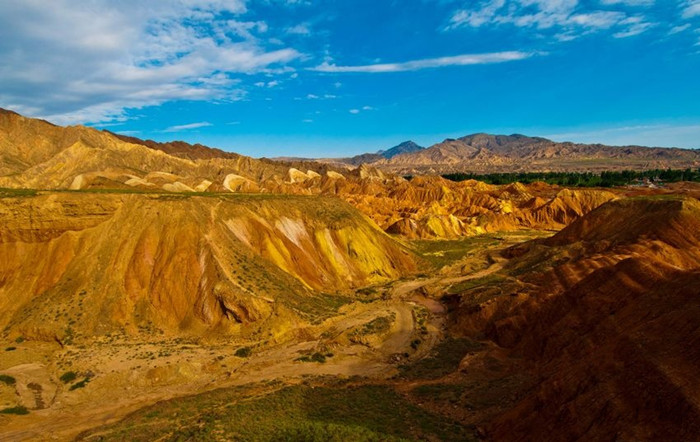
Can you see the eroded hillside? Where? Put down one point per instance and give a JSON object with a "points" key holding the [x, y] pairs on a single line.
{"points": [[39, 155], [604, 315], [80, 264]]}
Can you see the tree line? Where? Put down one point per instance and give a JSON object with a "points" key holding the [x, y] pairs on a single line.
{"points": [[583, 179]]}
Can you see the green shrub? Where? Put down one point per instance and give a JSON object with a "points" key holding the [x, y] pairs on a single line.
{"points": [[68, 377], [19, 340], [243, 352], [80, 384], [316, 357], [15, 410], [11, 349], [9, 380]]}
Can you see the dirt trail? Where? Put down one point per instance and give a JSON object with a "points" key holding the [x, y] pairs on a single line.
{"points": [[400, 290]]}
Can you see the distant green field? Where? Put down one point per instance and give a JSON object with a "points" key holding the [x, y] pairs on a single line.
{"points": [[582, 179]]}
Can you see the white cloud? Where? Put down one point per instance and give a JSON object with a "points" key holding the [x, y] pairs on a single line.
{"points": [[83, 64], [691, 8], [189, 126], [300, 29], [362, 109], [563, 16], [458, 60], [628, 2], [635, 26], [321, 97], [308, 120], [679, 29]]}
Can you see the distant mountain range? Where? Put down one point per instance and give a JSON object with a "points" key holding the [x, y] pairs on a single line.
{"points": [[486, 153], [407, 147], [50, 155]]}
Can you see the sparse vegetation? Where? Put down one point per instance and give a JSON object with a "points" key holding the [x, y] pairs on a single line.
{"points": [[315, 357], [444, 359], [80, 384], [16, 193], [441, 253], [19, 410], [489, 280], [68, 377], [7, 379], [378, 325], [243, 352], [303, 412]]}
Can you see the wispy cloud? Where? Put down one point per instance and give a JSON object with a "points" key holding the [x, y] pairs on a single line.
{"points": [[562, 16], [628, 2], [679, 29], [362, 109], [458, 60], [300, 29], [190, 126]]}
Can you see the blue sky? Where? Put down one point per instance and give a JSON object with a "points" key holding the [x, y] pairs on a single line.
{"points": [[335, 78]]}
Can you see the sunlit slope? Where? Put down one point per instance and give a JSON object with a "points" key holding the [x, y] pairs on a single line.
{"points": [[37, 154], [84, 263], [433, 207]]}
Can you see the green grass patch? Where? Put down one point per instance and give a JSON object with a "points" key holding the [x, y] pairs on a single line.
{"points": [[15, 193], [441, 253], [444, 359], [20, 410], [376, 326], [490, 280], [450, 393], [301, 412], [318, 308]]}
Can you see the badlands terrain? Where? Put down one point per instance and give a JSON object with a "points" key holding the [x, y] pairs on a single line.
{"points": [[167, 291]]}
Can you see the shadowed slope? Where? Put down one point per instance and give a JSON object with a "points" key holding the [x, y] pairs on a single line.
{"points": [[605, 314]]}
